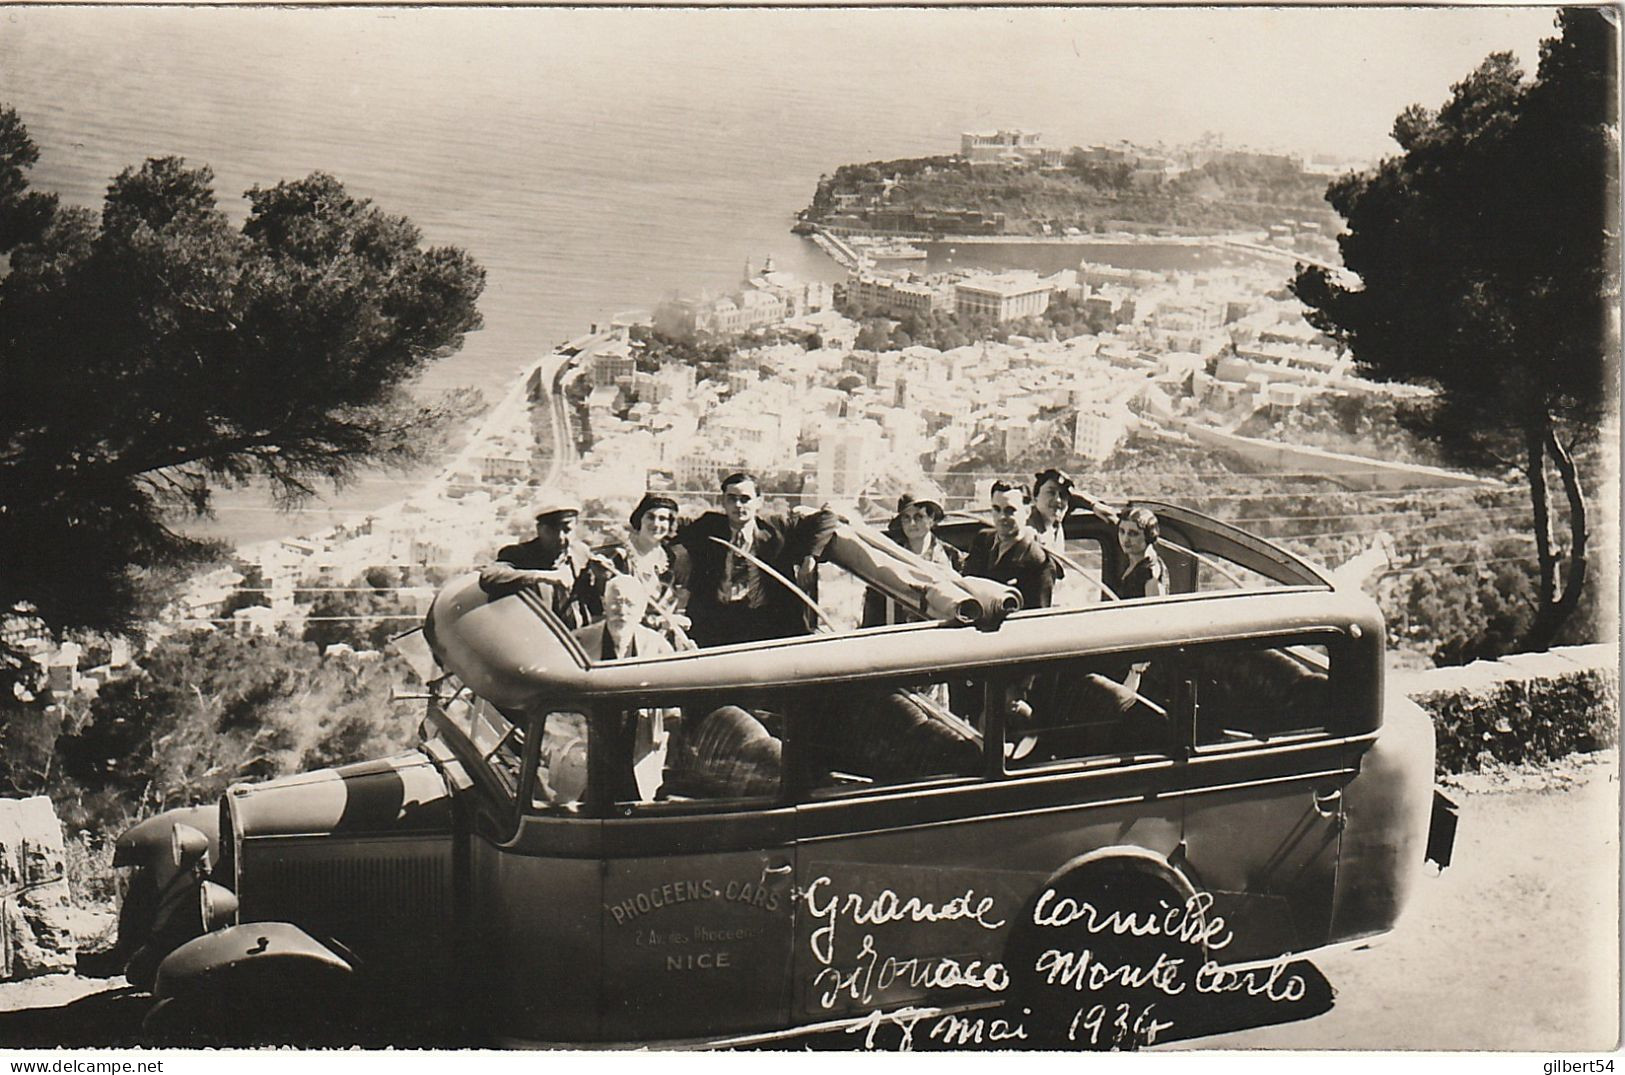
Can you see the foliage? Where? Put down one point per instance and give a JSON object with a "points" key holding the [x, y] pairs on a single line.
{"points": [[1469, 612], [154, 353], [1357, 424], [1248, 177], [944, 330], [1486, 256], [250, 592], [708, 357], [373, 599], [24, 214], [1242, 191], [1517, 719], [209, 709]]}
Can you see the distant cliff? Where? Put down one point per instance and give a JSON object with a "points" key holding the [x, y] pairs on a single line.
{"points": [[1094, 190]]}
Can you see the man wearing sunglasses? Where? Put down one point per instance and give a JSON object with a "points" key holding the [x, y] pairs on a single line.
{"points": [[731, 599], [1009, 551]]}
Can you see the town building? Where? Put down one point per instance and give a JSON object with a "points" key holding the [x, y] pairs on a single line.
{"points": [[763, 299], [895, 293], [502, 468], [1099, 429], [1007, 147], [848, 454], [612, 364], [1003, 296]]}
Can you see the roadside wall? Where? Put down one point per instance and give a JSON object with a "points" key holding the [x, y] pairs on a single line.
{"points": [[1529, 707], [35, 908]]}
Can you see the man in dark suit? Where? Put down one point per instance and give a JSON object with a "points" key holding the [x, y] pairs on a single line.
{"points": [[1009, 551], [730, 598]]}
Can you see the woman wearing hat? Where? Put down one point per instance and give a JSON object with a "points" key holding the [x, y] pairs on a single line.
{"points": [[663, 567], [914, 528]]}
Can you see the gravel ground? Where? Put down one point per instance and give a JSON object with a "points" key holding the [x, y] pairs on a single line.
{"points": [[1514, 947]]}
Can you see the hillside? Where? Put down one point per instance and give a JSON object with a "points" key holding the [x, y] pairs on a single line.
{"points": [[946, 195]]}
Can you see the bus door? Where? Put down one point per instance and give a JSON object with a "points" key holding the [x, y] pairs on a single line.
{"points": [[1263, 792], [697, 913]]}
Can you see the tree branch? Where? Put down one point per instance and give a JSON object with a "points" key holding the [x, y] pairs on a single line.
{"points": [[1564, 462], [1535, 446]]}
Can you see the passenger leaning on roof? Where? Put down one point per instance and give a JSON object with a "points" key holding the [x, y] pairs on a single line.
{"points": [[552, 559], [1144, 573], [913, 527], [1009, 551], [730, 598], [1138, 531]]}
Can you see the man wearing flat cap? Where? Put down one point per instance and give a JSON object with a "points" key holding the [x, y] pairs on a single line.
{"points": [[551, 559]]}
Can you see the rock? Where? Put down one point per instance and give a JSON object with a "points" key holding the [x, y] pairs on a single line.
{"points": [[36, 913]]}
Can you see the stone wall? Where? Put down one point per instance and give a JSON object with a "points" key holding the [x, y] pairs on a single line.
{"points": [[35, 909], [1528, 707]]}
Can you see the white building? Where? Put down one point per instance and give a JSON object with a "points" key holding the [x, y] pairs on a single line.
{"points": [[1008, 146], [1003, 296], [1100, 428], [848, 454]]}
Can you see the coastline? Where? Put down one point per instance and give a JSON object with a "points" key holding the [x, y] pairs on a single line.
{"points": [[838, 248], [1110, 238], [476, 438]]}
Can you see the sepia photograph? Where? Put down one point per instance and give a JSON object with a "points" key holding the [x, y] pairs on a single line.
{"points": [[946, 529]]}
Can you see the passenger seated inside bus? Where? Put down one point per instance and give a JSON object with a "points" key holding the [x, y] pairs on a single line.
{"points": [[1081, 709], [884, 735], [723, 752], [1259, 692], [721, 749]]}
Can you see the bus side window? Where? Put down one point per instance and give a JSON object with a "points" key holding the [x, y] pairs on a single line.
{"points": [[886, 735], [1259, 691], [561, 766], [1077, 587], [723, 750], [1099, 707]]}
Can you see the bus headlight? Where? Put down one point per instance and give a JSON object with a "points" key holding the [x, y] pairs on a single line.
{"points": [[217, 905], [187, 846]]}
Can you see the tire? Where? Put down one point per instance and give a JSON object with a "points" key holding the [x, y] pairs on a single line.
{"points": [[1079, 982]]}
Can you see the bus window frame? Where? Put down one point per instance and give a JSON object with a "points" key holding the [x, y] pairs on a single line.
{"points": [[1341, 660], [796, 784], [596, 802], [1094, 762], [505, 806]]}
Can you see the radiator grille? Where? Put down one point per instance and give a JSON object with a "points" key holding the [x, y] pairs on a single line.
{"points": [[355, 891]]}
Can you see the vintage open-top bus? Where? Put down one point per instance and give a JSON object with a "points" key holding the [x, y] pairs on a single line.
{"points": [[823, 827]]}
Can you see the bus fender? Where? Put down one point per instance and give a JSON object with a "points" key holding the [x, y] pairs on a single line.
{"points": [[253, 958], [1132, 858]]}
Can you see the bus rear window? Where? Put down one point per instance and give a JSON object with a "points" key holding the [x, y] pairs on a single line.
{"points": [[1259, 692]]}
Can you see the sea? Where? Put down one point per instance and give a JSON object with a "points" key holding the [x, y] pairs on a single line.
{"points": [[598, 160]]}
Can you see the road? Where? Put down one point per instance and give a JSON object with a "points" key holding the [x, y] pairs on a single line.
{"points": [[1514, 947]]}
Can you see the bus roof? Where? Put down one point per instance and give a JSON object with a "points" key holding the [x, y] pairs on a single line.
{"points": [[516, 653]]}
